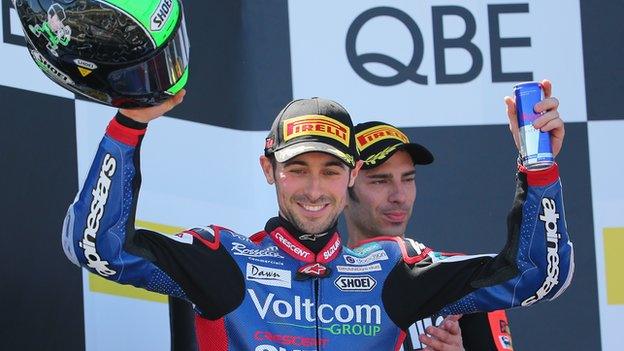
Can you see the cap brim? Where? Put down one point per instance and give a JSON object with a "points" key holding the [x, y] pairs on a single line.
{"points": [[291, 151], [420, 155]]}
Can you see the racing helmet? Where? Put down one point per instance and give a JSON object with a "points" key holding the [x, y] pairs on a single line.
{"points": [[122, 53]]}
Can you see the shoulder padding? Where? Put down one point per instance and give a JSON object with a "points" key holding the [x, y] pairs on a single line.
{"points": [[209, 236], [412, 251]]}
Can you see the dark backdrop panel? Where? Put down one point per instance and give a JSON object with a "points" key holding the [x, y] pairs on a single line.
{"points": [[240, 73], [42, 305], [462, 203], [603, 55]]}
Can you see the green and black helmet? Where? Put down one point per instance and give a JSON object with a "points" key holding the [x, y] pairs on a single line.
{"points": [[123, 53]]}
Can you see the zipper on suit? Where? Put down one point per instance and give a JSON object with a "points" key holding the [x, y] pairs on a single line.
{"points": [[316, 304]]}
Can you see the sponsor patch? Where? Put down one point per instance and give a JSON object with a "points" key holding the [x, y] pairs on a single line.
{"points": [[364, 250], [268, 275], [312, 270], [316, 125], [359, 269], [355, 282], [379, 255], [372, 135], [303, 309], [265, 261], [239, 249]]}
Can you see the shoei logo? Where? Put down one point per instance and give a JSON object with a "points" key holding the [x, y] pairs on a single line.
{"points": [[269, 276], [161, 15], [100, 196], [372, 135], [85, 64], [49, 68], [549, 218], [316, 125], [355, 283]]}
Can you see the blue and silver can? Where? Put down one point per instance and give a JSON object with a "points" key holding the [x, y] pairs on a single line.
{"points": [[535, 148]]}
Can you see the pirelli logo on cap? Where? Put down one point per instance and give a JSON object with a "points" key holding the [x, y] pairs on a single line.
{"points": [[316, 125], [372, 135]]}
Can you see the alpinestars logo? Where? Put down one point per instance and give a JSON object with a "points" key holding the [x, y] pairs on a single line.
{"points": [[100, 196], [161, 15], [549, 218]]}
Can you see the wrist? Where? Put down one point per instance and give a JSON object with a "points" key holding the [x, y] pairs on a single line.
{"points": [[134, 115], [122, 118]]}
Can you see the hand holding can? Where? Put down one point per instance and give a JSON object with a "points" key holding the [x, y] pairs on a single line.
{"points": [[545, 118]]}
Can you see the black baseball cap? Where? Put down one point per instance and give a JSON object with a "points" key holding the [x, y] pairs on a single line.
{"points": [[378, 141], [308, 125]]}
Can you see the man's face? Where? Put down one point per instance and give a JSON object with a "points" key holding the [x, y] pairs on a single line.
{"points": [[384, 197], [311, 189]]}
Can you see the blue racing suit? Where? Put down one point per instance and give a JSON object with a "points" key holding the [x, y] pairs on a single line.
{"points": [[270, 292]]}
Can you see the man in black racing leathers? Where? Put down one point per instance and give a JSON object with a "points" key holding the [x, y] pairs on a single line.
{"points": [[293, 286]]}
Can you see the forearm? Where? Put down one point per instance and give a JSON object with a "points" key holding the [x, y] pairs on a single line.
{"points": [[100, 220], [537, 261]]}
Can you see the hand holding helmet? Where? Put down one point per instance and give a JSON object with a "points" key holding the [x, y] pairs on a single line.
{"points": [[146, 114]]}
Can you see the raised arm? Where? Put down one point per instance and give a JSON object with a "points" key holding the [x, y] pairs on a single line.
{"points": [[535, 265], [99, 232]]}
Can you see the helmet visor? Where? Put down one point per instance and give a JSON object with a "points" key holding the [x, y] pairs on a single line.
{"points": [[157, 74]]}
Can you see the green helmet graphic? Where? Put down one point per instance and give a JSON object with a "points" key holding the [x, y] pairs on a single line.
{"points": [[123, 53]]}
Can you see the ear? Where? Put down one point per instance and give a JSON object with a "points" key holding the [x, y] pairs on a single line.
{"points": [[354, 172], [267, 169]]}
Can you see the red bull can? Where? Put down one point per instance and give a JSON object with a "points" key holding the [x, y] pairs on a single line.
{"points": [[535, 149]]}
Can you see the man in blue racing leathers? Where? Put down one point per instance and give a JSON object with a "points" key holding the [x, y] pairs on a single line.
{"points": [[293, 286], [380, 203]]}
